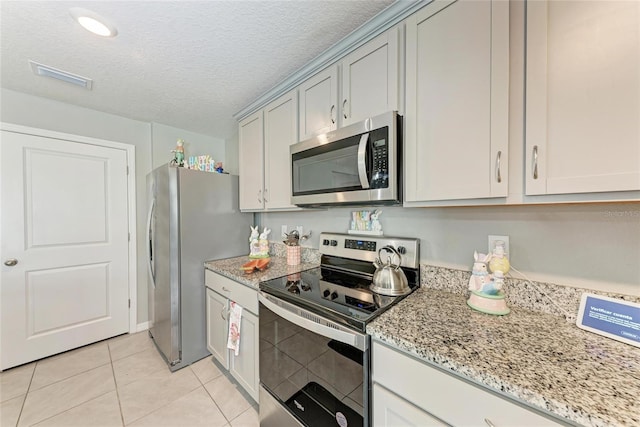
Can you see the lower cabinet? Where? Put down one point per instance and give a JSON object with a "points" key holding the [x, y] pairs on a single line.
{"points": [[408, 392], [220, 292], [389, 410]]}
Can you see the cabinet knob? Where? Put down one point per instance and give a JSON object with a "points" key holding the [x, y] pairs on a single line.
{"points": [[344, 108], [333, 107], [534, 167], [498, 175]]}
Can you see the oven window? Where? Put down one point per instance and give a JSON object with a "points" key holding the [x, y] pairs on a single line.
{"points": [[318, 379]]}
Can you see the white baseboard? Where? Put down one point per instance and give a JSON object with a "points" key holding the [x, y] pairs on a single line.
{"points": [[143, 326]]}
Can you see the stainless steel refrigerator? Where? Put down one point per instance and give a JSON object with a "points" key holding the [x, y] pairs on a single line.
{"points": [[193, 217]]}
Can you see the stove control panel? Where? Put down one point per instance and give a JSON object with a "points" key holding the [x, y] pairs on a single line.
{"points": [[365, 248], [363, 245]]}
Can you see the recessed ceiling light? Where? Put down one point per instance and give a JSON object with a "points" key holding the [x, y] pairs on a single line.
{"points": [[93, 22]]}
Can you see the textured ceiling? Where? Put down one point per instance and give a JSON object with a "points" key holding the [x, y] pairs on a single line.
{"points": [[188, 64]]}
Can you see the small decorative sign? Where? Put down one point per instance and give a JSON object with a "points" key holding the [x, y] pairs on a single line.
{"points": [[610, 317]]}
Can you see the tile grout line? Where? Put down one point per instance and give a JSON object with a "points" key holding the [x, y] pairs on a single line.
{"points": [[116, 384], [211, 397], [26, 393]]}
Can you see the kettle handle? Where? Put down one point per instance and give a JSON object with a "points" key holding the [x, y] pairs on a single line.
{"points": [[393, 250]]}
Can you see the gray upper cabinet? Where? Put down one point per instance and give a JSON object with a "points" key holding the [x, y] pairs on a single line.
{"points": [[583, 99], [457, 101], [370, 83], [318, 103]]}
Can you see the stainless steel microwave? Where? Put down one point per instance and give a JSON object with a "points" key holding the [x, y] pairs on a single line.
{"points": [[359, 164]]}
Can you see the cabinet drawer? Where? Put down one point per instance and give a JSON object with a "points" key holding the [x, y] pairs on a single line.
{"points": [[443, 395], [245, 296]]}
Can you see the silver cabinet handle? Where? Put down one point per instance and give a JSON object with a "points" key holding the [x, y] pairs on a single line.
{"points": [[11, 262], [333, 107], [489, 423], [535, 162], [344, 109], [259, 196], [498, 175], [265, 195], [225, 289]]}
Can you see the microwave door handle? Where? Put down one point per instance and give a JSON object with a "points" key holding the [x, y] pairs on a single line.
{"points": [[362, 159]]}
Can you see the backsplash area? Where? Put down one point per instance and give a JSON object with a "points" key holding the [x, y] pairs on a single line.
{"points": [[559, 300]]}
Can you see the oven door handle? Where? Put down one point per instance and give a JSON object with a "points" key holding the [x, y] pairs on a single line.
{"points": [[362, 161], [326, 331]]}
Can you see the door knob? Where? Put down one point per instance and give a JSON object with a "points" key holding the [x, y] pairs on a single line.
{"points": [[11, 262]]}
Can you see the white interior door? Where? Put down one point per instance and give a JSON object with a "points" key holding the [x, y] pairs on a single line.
{"points": [[65, 230]]}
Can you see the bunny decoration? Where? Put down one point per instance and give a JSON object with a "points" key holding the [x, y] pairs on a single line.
{"points": [[487, 295], [259, 244], [480, 275]]}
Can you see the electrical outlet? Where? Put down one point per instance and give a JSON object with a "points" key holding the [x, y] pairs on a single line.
{"points": [[283, 231], [505, 239]]}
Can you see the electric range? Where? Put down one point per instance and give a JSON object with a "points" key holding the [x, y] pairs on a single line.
{"points": [[314, 350]]}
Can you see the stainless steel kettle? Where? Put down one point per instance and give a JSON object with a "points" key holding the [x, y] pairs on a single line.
{"points": [[389, 279]]}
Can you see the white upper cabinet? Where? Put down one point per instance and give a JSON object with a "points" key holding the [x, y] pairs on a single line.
{"points": [[370, 84], [318, 103], [265, 169], [457, 101], [280, 131], [582, 97], [250, 140]]}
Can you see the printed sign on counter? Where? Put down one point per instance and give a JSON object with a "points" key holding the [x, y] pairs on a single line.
{"points": [[613, 318]]}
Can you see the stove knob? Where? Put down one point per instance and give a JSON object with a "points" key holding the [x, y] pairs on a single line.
{"points": [[402, 250], [325, 242], [334, 295], [326, 293], [334, 243]]}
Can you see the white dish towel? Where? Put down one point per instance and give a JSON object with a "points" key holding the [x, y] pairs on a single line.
{"points": [[235, 315]]}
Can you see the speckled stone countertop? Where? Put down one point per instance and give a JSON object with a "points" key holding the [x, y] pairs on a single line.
{"points": [[537, 358], [278, 267]]}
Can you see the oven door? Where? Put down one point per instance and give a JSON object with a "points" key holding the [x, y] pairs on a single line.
{"points": [[313, 372]]}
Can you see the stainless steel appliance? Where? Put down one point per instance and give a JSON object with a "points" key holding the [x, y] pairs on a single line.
{"points": [[193, 217], [314, 350], [357, 164]]}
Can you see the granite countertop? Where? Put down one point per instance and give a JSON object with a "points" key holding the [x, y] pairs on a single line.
{"points": [[537, 358], [278, 267]]}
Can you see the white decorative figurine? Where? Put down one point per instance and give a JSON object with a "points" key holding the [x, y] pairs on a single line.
{"points": [[487, 295], [480, 274], [259, 245]]}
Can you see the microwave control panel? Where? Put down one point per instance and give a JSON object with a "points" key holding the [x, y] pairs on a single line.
{"points": [[380, 149]]}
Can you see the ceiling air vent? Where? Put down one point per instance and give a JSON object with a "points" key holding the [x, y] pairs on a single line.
{"points": [[46, 71]]}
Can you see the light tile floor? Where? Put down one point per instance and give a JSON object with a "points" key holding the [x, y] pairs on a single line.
{"points": [[121, 381]]}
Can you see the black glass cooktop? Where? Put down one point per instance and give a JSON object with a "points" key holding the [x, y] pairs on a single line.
{"points": [[341, 296]]}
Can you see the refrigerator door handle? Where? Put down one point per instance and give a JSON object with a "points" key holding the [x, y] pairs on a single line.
{"points": [[150, 244]]}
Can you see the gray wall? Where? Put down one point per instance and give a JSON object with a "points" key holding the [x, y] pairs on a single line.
{"points": [[596, 246], [164, 138]]}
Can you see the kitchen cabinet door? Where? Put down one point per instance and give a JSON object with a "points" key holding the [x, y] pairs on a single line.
{"points": [[280, 131], [217, 327], [318, 103], [244, 366], [582, 97], [437, 394], [390, 410], [370, 79], [456, 121], [250, 140]]}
